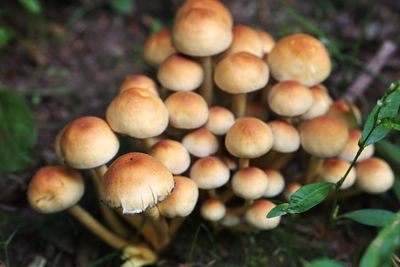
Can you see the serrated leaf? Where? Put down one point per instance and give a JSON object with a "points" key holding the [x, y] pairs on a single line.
{"points": [[325, 263], [33, 6], [17, 132], [379, 252], [372, 217], [123, 7], [279, 210]]}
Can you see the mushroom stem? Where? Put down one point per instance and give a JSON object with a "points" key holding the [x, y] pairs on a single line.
{"points": [[241, 210], [175, 224], [280, 160], [226, 195], [244, 163], [239, 105], [107, 213], [207, 86], [163, 92], [313, 168], [212, 193], [160, 225], [149, 143]]}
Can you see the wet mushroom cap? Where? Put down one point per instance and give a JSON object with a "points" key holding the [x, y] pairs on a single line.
{"points": [[374, 175], [256, 215], [158, 47], [334, 169], [219, 120], [351, 148], [245, 39], [201, 143], [249, 183], [139, 81], [276, 183], [135, 182], [286, 136], [212, 210], [55, 188], [209, 173], [322, 102]]}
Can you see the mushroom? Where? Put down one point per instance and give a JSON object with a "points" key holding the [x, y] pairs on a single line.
{"points": [[139, 81], [350, 115], [290, 189], [334, 169], [245, 39], [256, 215], [158, 47], [201, 143], [276, 183], [350, 150], [219, 120], [322, 102], [267, 41], [212, 210], [374, 175]]}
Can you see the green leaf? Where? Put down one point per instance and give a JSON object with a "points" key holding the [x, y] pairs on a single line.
{"points": [[5, 37], [380, 251], [389, 151], [33, 6], [372, 217], [396, 187], [325, 263], [156, 26], [17, 132], [123, 7], [390, 123], [279, 210]]}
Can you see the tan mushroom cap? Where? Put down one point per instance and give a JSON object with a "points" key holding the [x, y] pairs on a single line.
{"points": [[201, 32], [249, 183], [182, 200], [286, 136], [212, 210], [219, 120], [135, 182], [158, 47], [178, 73], [256, 215], [249, 138], [172, 154], [350, 116], [323, 136], [322, 102], [300, 57], [139, 81], [290, 189], [137, 113], [267, 41], [201, 143], [55, 188], [245, 39], [351, 148], [88, 142], [290, 98], [374, 175], [209, 173], [187, 110], [241, 73], [230, 162], [334, 169], [276, 183]]}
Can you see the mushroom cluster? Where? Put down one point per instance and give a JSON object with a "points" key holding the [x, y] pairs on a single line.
{"points": [[228, 112]]}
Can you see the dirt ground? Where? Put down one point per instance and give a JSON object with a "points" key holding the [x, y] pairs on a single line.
{"points": [[71, 61]]}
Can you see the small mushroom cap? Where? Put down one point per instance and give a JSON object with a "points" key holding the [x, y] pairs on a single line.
{"points": [[201, 143], [267, 41], [139, 81], [249, 183], [201, 32], [256, 215], [276, 183], [172, 154], [374, 175], [135, 182], [219, 120], [245, 39], [137, 113], [322, 102], [286, 136], [178, 73], [230, 162], [158, 47], [182, 200], [351, 148], [290, 98], [350, 116], [300, 57], [290, 189], [209, 173], [323, 136], [88, 142], [249, 138], [212, 210], [230, 219], [241, 73], [55, 188], [334, 169], [187, 110]]}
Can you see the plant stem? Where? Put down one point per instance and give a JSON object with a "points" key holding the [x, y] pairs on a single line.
{"points": [[207, 86]]}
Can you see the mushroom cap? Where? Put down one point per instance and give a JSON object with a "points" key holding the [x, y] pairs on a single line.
{"points": [[158, 47], [245, 39], [374, 175], [230, 219], [334, 169], [300, 57], [135, 182], [209, 173], [219, 120], [241, 73], [323, 136], [88, 142], [55, 188], [290, 98], [276, 183], [139, 81], [212, 210], [201, 32], [182, 200], [137, 113], [322, 102], [249, 138], [267, 41], [286, 136], [256, 215], [290, 189], [351, 148], [201, 143], [350, 116], [249, 183], [172, 154], [178, 73], [230, 162], [187, 110]]}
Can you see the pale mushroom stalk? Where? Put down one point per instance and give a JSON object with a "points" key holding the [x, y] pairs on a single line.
{"points": [[244, 163], [208, 84], [175, 224], [149, 143], [160, 224], [239, 105]]}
